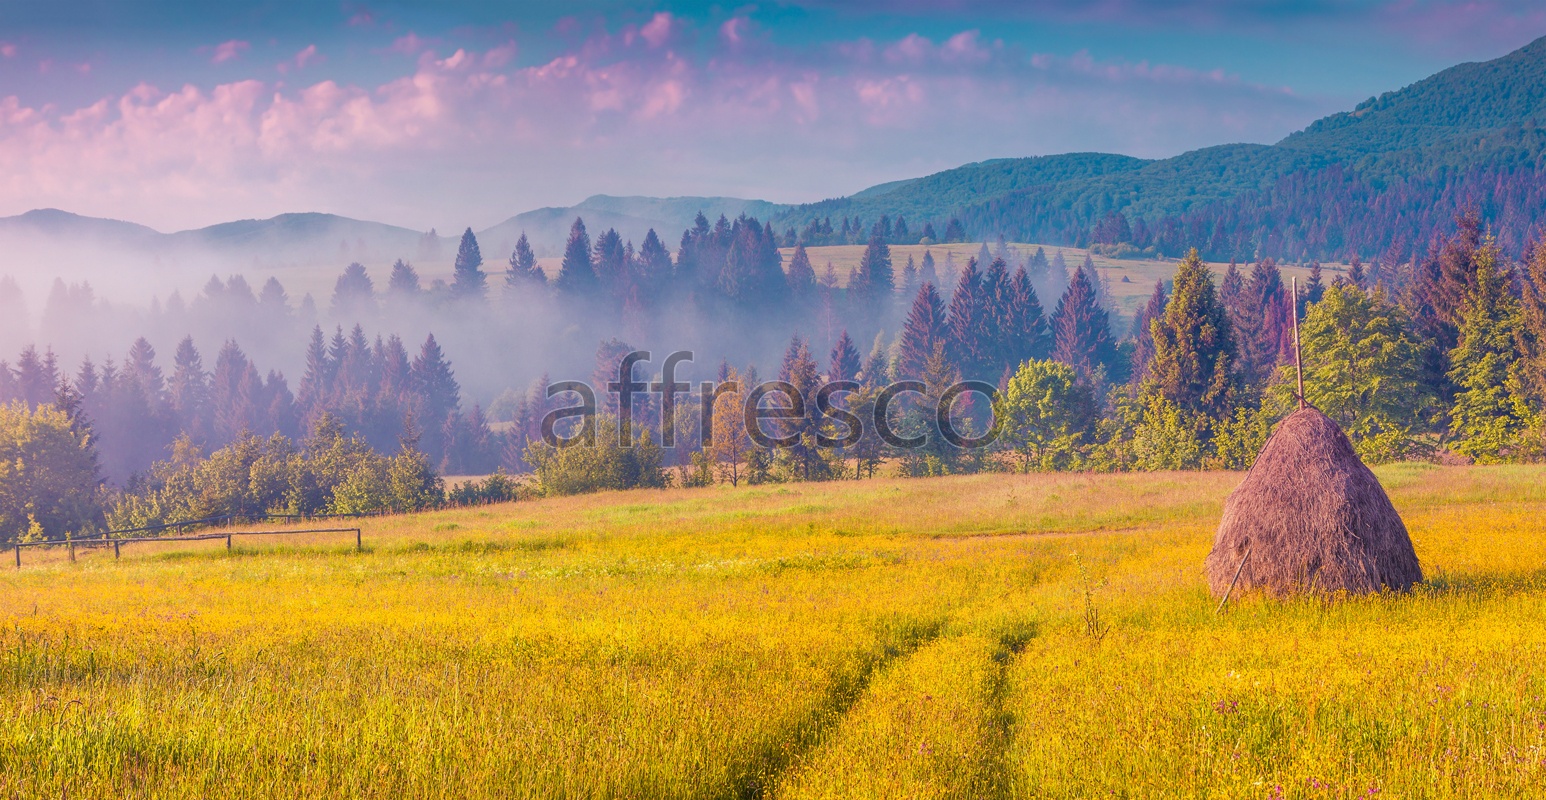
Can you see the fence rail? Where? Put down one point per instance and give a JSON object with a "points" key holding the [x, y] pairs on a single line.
{"points": [[118, 543]]}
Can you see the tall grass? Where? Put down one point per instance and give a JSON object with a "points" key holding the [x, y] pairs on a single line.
{"points": [[927, 638]]}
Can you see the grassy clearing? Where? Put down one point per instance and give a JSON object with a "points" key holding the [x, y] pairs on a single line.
{"points": [[882, 639], [1129, 295]]}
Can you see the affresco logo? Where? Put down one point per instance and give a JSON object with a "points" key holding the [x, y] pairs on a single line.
{"points": [[773, 412]]}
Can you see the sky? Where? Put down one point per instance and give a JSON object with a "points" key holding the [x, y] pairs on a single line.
{"points": [[178, 114]]}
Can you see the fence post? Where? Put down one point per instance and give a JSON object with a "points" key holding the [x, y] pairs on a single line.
{"points": [[18, 555], [359, 544], [115, 549], [72, 550], [228, 543]]}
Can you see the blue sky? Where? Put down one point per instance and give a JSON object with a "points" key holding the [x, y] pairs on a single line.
{"points": [[448, 114]]}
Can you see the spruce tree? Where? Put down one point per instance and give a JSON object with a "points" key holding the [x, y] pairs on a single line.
{"points": [[354, 295], [188, 391], [655, 268], [876, 281], [1194, 351], [910, 277], [577, 275], [802, 276], [435, 395], [1533, 326], [802, 456], [470, 282], [611, 265], [925, 327], [969, 345], [1143, 336], [1491, 409], [523, 276], [1263, 330], [1029, 337], [1081, 329], [404, 283], [845, 360], [997, 295], [927, 273]]}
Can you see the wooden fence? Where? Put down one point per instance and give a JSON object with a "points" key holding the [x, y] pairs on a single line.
{"points": [[117, 543]]}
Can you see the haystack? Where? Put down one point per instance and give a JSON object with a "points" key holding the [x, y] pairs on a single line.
{"points": [[1313, 518]]}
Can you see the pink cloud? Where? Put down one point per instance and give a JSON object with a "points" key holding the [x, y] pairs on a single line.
{"points": [[7, 50], [227, 51], [658, 30], [307, 55], [771, 123], [733, 31]]}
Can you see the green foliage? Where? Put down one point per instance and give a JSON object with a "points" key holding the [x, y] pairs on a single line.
{"points": [[1044, 415], [1491, 411], [496, 488], [48, 474], [1194, 354], [1167, 437], [597, 459], [330, 474], [1362, 368], [1237, 439]]}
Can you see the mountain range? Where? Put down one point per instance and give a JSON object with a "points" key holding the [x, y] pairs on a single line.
{"points": [[1469, 135]]}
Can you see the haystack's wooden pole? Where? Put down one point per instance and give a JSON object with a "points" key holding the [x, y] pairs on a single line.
{"points": [[1298, 367], [1232, 583]]}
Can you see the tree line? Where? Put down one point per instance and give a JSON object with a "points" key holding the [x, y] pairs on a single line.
{"points": [[1441, 353]]}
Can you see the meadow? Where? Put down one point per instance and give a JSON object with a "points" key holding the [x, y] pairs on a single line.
{"points": [[976, 636]]}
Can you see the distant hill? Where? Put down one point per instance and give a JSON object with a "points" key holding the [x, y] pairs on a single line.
{"points": [[633, 217], [1387, 175]]}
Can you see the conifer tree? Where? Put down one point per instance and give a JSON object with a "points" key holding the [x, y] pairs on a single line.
{"points": [[874, 278], [1028, 335], [523, 276], [273, 300], [802, 276], [354, 295], [188, 391], [235, 395], [143, 375], [37, 376], [316, 382], [470, 282], [404, 283], [1491, 410], [801, 456], [927, 272], [1361, 368], [1263, 328], [611, 264], [577, 275], [1533, 325], [998, 292], [655, 268], [910, 277], [845, 360], [925, 327], [1143, 336], [1081, 329], [435, 395], [1194, 352], [968, 346]]}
